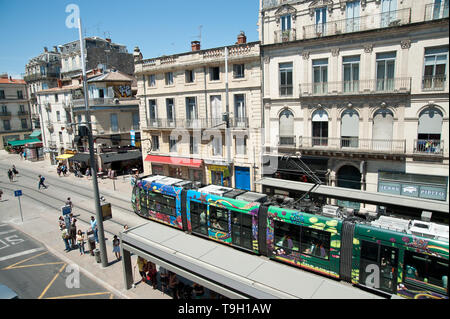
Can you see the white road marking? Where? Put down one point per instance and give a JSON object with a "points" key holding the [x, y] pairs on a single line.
{"points": [[7, 232], [26, 252]]}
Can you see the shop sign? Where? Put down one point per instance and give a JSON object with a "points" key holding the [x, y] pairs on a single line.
{"points": [[433, 192], [389, 188], [223, 169], [413, 190]]}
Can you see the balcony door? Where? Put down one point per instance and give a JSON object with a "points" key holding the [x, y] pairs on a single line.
{"points": [[239, 110], [352, 16], [170, 109], [216, 110], [385, 71], [320, 76], [435, 68], [383, 129], [153, 113], [388, 12], [349, 128], [320, 128], [191, 111], [440, 9], [429, 131], [287, 136], [321, 21], [351, 73]]}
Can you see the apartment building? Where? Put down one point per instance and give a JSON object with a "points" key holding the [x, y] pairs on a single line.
{"points": [[183, 100], [41, 73], [114, 112], [100, 53], [359, 89], [15, 119]]}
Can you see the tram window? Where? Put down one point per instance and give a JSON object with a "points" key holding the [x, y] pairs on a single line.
{"points": [[143, 197], [369, 251], [241, 229], [162, 204], [287, 236], [198, 217], [218, 218], [426, 269], [315, 242]]}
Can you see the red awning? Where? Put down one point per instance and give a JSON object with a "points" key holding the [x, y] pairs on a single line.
{"points": [[178, 161]]}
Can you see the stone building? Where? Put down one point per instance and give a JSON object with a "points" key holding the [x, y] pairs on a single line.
{"points": [[360, 90]]}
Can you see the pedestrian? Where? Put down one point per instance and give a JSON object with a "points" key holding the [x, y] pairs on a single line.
{"points": [[58, 170], [142, 265], [41, 182], [94, 228], [151, 274], [21, 155], [65, 237], [69, 203], [125, 227], [64, 169], [61, 222], [80, 242], [1, 193], [10, 175], [24, 155], [198, 290], [73, 234], [173, 285], [164, 277], [88, 172], [14, 170], [116, 247]]}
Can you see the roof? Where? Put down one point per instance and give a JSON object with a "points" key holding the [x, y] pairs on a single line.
{"points": [[61, 89], [112, 76], [14, 81]]}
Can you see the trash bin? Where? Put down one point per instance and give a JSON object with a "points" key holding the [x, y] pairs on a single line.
{"points": [[91, 245], [98, 258]]}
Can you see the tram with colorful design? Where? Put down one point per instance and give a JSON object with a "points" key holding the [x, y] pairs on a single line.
{"points": [[388, 255]]}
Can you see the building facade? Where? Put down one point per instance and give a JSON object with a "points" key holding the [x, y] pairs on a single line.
{"points": [[360, 90], [183, 99], [41, 73], [15, 118]]}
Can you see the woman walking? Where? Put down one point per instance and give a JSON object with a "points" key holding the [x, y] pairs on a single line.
{"points": [[80, 242], [116, 247]]}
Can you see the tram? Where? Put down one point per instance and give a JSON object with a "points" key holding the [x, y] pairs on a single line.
{"points": [[385, 254]]}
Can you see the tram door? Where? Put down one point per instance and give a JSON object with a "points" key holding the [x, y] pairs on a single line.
{"points": [[378, 266], [241, 230]]}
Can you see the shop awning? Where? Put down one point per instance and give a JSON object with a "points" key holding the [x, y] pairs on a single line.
{"points": [[178, 161], [80, 157], [64, 156], [36, 133], [118, 157], [23, 142]]}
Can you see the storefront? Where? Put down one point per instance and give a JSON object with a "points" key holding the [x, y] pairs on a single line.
{"points": [[21, 146], [177, 167], [121, 162], [34, 151], [413, 185], [218, 173]]}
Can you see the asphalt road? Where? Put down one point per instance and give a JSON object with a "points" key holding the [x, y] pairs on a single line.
{"points": [[34, 273]]}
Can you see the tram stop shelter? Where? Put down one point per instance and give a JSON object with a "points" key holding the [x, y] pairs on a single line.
{"points": [[230, 272]]}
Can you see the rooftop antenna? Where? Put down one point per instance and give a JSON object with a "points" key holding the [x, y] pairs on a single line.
{"points": [[199, 36]]}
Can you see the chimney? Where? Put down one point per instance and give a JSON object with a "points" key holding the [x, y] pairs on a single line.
{"points": [[108, 40], [195, 45], [45, 49], [241, 38], [59, 83], [55, 48]]}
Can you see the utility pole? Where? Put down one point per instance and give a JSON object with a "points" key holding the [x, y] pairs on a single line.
{"points": [[98, 210], [227, 102]]}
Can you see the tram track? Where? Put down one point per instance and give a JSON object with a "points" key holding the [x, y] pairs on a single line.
{"points": [[81, 191], [55, 207]]}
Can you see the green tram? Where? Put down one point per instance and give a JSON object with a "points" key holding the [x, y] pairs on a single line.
{"points": [[388, 255]]}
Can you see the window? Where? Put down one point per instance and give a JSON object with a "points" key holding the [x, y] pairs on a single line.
{"points": [[68, 117], [170, 109], [6, 125], [189, 76], [320, 76], [20, 95], [285, 22], [114, 122], [440, 9], [349, 128], [21, 109], [4, 109], [60, 137], [352, 16], [321, 21], [160, 203], [173, 144], [425, 270], [383, 129], [196, 175], [218, 218], [287, 136], [58, 116], [429, 131], [239, 110], [385, 71], [152, 80], [217, 146], [2, 94], [24, 123], [191, 111], [388, 13], [241, 145], [193, 145], [241, 230], [169, 78], [79, 118], [216, 110], [155, 143], [351, 73], [152, 112], [214, 73], [56, 97], [198, 217], [320, 128], [286, 84], [135, 121], [287, 237], [435, 65], [315, 242], [238, 71]]}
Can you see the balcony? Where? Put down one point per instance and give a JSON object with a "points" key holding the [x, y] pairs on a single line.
{"points": [[66, 105], [107, 101], [434, 82], [429, 147], [48, 106], [377, 86], [22, 113], [285, 36], [235, 123], [50, 127], [434, 11], [5, 114], [371, 22], [39, 76]]}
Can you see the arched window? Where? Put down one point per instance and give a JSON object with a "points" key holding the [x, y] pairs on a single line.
{"points": [[349, 128], [429, 130], [383, 129], [287, 136], [320, 128]]}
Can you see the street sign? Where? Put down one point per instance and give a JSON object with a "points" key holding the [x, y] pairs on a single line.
{"points": [[133, 137], [18, 193], [66, 210]]}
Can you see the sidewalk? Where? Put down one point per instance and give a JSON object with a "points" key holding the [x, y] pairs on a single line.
{"points": [[42, 226]]}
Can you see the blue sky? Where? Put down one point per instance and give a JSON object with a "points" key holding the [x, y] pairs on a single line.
{"points": [[157, 27]]}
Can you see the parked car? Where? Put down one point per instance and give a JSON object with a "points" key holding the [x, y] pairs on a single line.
{"points": [[7, 293]]}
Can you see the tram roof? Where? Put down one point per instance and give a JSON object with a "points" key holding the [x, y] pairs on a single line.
{"points": [[228, 271], [358, 195]]}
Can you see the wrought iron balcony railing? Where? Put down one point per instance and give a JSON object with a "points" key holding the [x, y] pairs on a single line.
{"points": [[434, 11], [202, 123], [434, 82], [377, 86], [429, 147], [285, 36]]}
